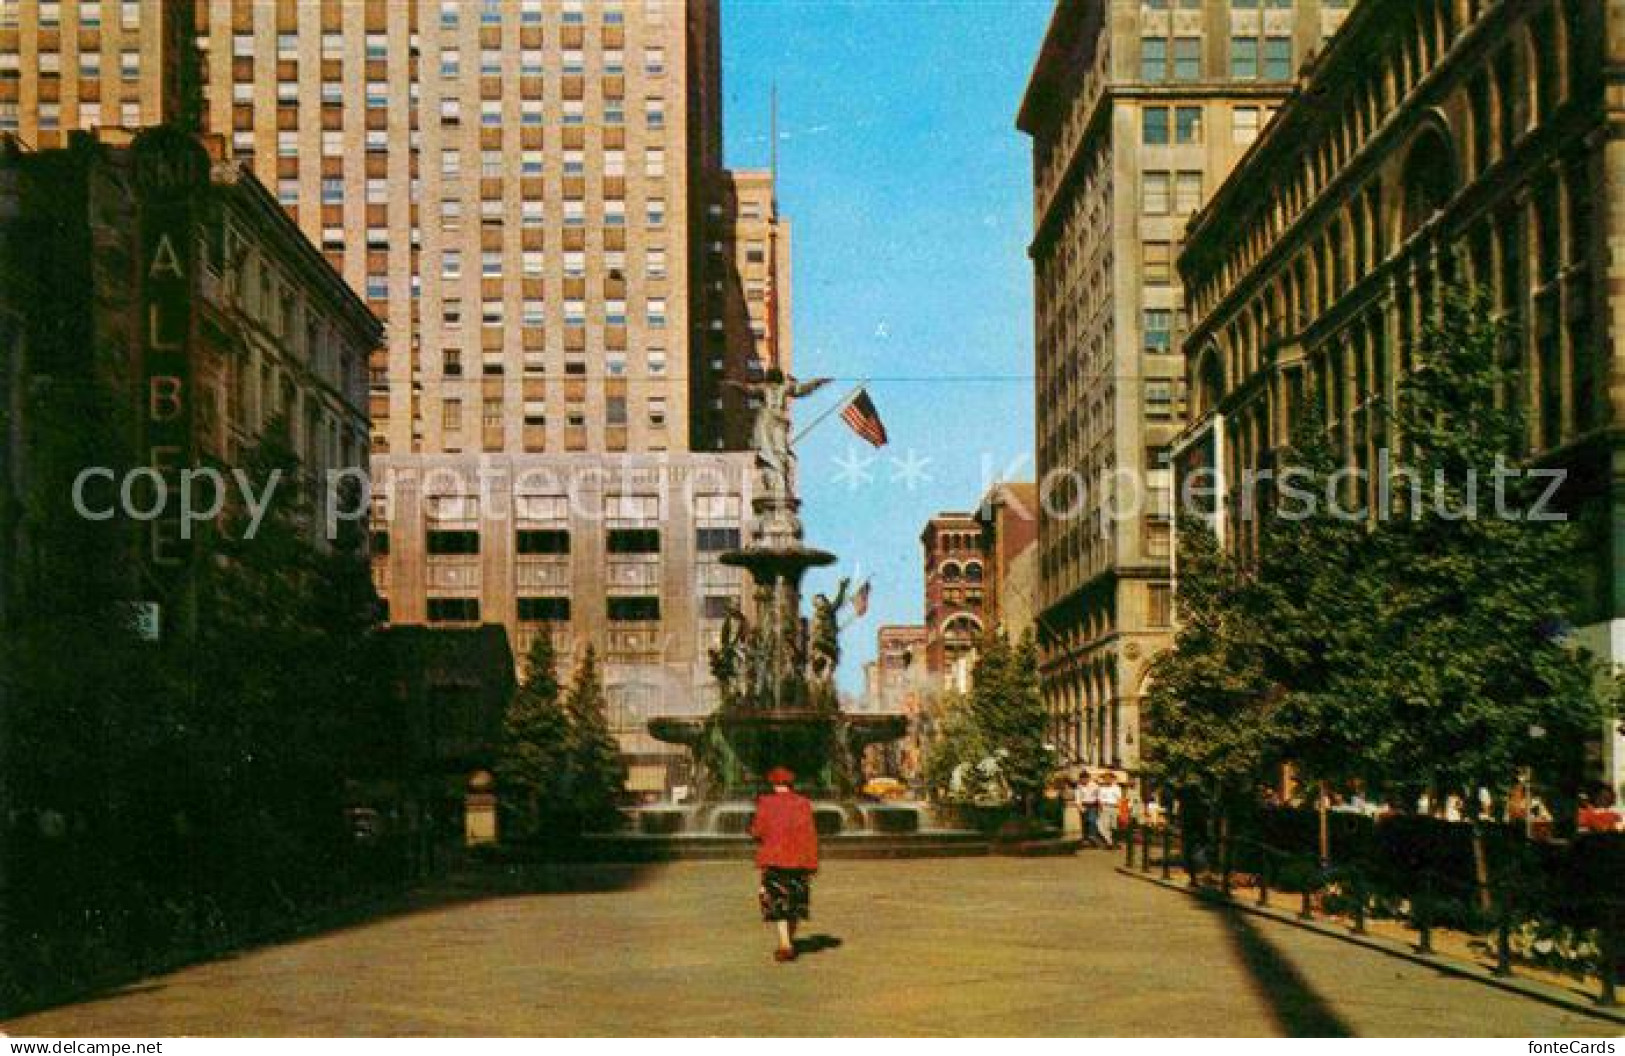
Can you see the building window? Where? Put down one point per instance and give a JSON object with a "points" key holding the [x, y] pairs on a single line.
{"points": [[634, 610], [1157, 264], [1158, 329], [632, 541], [1278, 58], [1187, 58], [715, 540], [1244, 58], [1188, 124], [1154, 126], [656, 312], [445, 542], [1159, 399], [1160, 605], [544, 610], [1153, 59], [548, 541], [454, 610], [1188, 192], [1155, 193], [1244, 124]]}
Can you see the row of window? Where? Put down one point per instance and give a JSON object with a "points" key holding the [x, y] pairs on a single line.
{"points": [[634, 609], [451, 542], [1163, 193], [1250, 58], [493, 365], [1245, 122]]}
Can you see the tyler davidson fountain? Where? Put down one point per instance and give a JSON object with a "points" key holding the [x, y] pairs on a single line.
{"points": [[779, 705]]}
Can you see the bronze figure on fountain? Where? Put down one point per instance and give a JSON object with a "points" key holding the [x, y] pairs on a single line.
{"points": [[775, 670]]}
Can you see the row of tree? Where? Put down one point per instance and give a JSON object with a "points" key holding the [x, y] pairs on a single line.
{"points": [[559, 769], [1424, 649]]}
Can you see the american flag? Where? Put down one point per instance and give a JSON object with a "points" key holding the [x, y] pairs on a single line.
{"points": [[860, 600], [861, 415]]}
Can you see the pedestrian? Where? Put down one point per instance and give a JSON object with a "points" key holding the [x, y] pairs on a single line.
{"points": [[1089, 804], [1110, 798], [1597, 813], [787, 855]]}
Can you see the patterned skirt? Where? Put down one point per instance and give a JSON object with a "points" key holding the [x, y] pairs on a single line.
{"points": [[785, 894]]}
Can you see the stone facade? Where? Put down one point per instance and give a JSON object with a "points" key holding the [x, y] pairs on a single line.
{"points": [[530, 194], [1435, 141], [1136, 112]]}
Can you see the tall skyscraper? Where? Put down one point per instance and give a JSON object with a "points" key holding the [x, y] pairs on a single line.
{"points": [[530, 194], [1136, 112]]}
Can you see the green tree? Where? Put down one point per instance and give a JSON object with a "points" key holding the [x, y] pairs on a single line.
{"points": [[1471, 657], [1009, 712], [597, 772], [1319, 594], [957, 740], [1212, 724], [534, 756]]}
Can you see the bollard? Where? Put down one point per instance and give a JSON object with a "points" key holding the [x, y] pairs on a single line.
{"points": [[1503, 944], [1419, 916], [1307, 910], [1358, 889], [1263, 877], [1608, 959], [1128, 847], [1145, 848], [1167, 851]]}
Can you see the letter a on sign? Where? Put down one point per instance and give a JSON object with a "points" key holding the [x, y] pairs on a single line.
{"points": [[165, 260]]}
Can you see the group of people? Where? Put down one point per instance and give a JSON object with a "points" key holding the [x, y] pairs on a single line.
{"points": [[1105, 805]]}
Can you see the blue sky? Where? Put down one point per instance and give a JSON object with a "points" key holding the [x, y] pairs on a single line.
{"points": [[909, 192]]}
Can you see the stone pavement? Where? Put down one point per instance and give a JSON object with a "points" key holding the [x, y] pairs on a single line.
{"points": [[950, 947]]}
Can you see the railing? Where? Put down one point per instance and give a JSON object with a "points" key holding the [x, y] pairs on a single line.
{"points": [[1568, 884]]}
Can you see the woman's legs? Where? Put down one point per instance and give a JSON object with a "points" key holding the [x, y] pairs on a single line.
{"points": [[787, 934]]}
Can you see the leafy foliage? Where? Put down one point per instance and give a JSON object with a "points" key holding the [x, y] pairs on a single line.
{"points": [[1420, 650], [1211, 724], [1002, 719]]}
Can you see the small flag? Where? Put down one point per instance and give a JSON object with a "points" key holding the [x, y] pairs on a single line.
{"points": [[861, 415], [860, 600]]}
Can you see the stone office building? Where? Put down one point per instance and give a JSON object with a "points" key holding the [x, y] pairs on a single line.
{"points": [[1137, 110], [1434, 141]]}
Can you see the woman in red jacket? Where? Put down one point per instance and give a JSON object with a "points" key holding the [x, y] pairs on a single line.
{"points": [[787, 854]]}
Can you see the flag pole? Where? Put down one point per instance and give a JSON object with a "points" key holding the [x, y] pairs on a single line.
{"points": [[839, 406]]}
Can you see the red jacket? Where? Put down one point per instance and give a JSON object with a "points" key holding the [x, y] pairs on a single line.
{"points": [[783, 826]]}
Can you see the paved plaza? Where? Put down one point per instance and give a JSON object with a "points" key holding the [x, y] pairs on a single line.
{"points": [[969, 946]]}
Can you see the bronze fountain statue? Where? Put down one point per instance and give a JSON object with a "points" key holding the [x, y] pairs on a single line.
{"points": [[775, 671]]}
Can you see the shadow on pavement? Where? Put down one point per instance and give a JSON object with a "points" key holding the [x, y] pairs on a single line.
{"points": [[465, 885], [816, 944], [1299, 1009]]}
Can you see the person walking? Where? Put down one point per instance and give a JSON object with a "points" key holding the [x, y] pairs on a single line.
{"points": [[1110, 797], [787, 855], [1089, 805]]}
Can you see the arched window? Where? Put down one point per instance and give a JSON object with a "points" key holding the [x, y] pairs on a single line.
{"points": [[973, 571], [1429, 180], [950, 571]]}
